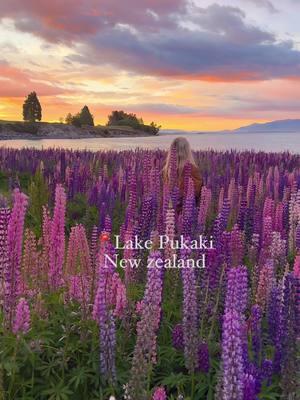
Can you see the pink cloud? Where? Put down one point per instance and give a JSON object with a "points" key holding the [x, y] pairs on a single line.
{"points": [[17, 83], [68, 20]]}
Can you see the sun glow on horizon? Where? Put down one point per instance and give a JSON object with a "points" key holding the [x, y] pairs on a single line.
{"points": [[167, 75]]}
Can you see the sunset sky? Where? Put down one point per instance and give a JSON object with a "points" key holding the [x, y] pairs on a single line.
{"points": [[199, 64]]}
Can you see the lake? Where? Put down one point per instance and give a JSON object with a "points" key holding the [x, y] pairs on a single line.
{"points": [[270, 142]]}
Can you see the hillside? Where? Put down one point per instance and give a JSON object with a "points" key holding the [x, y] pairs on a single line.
{"points": [[43, 130], [286, 125]]}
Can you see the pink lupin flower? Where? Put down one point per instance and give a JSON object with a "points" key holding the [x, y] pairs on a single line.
{"points": [[45, 241], [78, 256], [57, 239], [221, 199], [127, 255], [297, 266], [4, 259], [170, 230], [279, 218], [205, 202], [139, 307], [266, 281], [12, 272], [117, 295], [22, 317], [159, 394], [30, 261]]}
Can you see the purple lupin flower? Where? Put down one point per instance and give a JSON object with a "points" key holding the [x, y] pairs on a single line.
{"points": [[190, 320], [289, 365], [267, 370], [203, 358], [188, 209], [249, 387], [274, 312], [255, 325], [22, 318], [232, 381], [236, 246], [104, 314], [144, 355], [177, 337], [237, 289]]}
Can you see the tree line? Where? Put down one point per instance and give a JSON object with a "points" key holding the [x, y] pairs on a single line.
{"points": [[32, 112]]}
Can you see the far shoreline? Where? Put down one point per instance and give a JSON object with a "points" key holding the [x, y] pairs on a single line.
{"points": [[17, 130]]}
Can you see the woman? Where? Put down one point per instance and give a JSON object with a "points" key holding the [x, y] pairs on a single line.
{"points": [[178, 155]]}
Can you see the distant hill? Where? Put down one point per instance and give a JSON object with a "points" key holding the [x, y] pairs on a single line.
{"points": [[285, 125], [282, 126]]}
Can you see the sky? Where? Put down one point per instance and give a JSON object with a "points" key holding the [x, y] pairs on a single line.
{"points": [[193, 65]]}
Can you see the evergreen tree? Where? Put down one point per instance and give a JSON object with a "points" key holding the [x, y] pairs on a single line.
{"points": [[86, 117], [32, 110]]}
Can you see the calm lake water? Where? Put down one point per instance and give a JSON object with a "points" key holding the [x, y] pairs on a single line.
{"points": [[270, 142]]}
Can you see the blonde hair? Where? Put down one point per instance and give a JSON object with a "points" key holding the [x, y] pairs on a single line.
{"points": [[183, 154]]}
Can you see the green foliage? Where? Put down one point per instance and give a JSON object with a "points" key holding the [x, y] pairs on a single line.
{"points": [[59, 357], [39, 195], [73, 120], [80, 212], [3, 182], [86, 117], [32, 110], [80, 119], [117, 118], [53, 361], [68, 119], [121, 118]]}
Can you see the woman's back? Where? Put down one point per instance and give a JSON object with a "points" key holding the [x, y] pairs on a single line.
{"points": [[180, 164]]}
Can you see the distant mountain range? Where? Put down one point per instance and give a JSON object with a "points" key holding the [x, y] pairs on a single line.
{"points": [[284, 125]]}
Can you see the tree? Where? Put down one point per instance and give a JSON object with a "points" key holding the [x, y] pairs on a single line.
{"points": [[154, 128], [32, 110], [76, 120], [115, 117], [123, 118], [69, 119], [129, 119], [86, 117]]}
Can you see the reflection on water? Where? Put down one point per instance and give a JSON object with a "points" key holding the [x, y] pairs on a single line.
{"points": [[217, 141]]}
